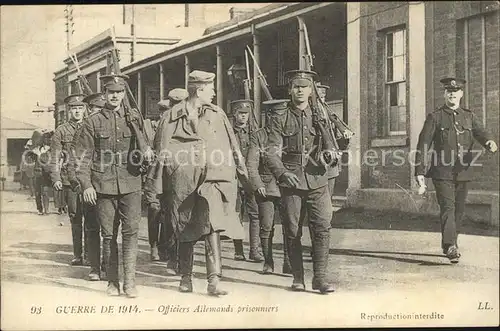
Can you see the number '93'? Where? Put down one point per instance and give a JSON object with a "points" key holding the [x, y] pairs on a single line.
{"points": [[36, 310]]}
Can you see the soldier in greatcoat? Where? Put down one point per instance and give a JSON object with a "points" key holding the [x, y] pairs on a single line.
{"points": [[197, 168]]}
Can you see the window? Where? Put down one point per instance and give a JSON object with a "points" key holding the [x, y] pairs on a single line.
{"points": [[395, 81]]}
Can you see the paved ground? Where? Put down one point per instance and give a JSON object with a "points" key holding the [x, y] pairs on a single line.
{"points": [[401, 273]]}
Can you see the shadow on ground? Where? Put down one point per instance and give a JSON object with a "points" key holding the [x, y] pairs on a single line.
{"points": [[368, 219]]}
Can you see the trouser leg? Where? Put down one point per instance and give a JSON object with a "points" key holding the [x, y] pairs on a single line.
{"points": [[292, 200], [186, 259], [253, 227], [45, 199], [445, 194], [92, 229], [266, 207], [38, 194], [108, 219], [129, 209], [153, 230], [461, 190], [75, 217]]}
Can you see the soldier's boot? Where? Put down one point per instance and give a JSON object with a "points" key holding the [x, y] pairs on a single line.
{"points": [[86, 260], [154, 252], [297, 264], [267, 249], [110, 258], [254, 229], [320, 263], [238, 250], [186, 259], [287, 268], [173, 259], [94, 247], [76, 233], [153, 228], [129, 248], [214, 264]]}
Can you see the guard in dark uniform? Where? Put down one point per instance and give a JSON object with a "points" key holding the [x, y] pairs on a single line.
{"points": [[303, 181], [265, 188], [110, 177], [451, 130], [62, 144], [246, 201]]}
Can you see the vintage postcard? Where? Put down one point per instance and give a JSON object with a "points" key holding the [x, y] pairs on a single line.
{"points": [[249, 165]]}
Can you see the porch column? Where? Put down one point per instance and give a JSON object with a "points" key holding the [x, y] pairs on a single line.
{"points": [[220, 75], [98, 82], [417, 97], [186, 71], [139, 92], [162, 83], [353, 94], [256, 82]]}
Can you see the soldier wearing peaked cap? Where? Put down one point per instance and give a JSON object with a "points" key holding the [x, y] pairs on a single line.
{"points": [[95, 102], [110, 177], [201, 167], [451, 131], [265, 188], [293, 136], [61, 158], [240, 110]]}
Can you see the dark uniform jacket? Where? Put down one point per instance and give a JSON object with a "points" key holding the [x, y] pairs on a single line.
{"points": [[258, 171], [61, 150], [452, 134], [291, 137], [243, 137], [108, 154]]}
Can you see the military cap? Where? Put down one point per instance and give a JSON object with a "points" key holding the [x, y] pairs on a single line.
{"points": [[114, 82], [75, 100], [164, 105], [276, 106], [243, 106], [322, 87], [95, 99], [177, 94], [453, 84], [200, 77], [301, 77]]}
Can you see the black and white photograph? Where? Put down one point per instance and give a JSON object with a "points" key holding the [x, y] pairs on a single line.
{"points": [[249, 165]]}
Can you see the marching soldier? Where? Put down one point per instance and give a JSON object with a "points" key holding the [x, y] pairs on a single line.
{"points": [[267, 193], [197, 168], [303, 182], [451, 129], [62, 143], [111, 179], [161, 236], [246, 201]]}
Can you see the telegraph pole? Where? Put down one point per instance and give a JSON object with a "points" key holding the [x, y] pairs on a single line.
{"points": [[70, 26]]}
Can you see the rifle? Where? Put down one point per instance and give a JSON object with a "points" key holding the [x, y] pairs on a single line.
{"points": [[83, 83], [143, 143], [324, 107], [262, 79], [328, 152], [247, 87]]}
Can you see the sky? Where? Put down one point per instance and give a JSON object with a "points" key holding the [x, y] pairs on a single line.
{"points": [[33, 47]]}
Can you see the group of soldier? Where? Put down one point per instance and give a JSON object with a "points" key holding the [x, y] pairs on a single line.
{"points": [[201, 171]]}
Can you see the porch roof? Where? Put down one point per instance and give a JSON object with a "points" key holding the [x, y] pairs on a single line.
{"points": [[229, 30]]}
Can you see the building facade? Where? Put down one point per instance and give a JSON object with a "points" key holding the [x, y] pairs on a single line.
{"points": [[383, 62]]}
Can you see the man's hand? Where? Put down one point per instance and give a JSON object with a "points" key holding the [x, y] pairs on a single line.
{"points": [[492, 146], [90, 196], [58, 185], [348, 134], [262, 192], [290, 178], [420, 180]]}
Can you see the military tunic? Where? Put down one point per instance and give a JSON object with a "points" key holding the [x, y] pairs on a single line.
{"points": [[451, 133]]}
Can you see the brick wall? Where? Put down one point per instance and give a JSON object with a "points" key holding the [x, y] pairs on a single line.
{"points": [[460, 33], [385, 172]]}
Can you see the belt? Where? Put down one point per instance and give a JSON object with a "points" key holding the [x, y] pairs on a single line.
{"points": [[295, 158]]}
